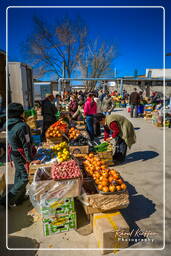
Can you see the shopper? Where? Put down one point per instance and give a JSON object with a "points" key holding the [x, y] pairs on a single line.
{"points": [[73, 104], [90, 109], [79, 114], [134, 101], [107, 105], [48, 112], [123, 134], [20, 151]]}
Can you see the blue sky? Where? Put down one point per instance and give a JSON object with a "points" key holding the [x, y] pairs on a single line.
{"points": [[137, 32]]}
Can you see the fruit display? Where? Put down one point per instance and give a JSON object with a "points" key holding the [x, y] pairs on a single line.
{"points": [[107, 180], [61, 151], [79, 141], [73, 133], [56, 129], [103, 147], [65, 170], [93, 164]]}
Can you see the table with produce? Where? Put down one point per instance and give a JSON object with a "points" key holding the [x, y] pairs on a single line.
{"points": [[70, 167]]}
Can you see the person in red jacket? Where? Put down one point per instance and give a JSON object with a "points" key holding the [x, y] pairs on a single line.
{"points": [[90, 109]]}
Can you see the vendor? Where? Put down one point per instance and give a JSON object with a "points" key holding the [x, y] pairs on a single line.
{"points": [[20, 152], [123, 134]]}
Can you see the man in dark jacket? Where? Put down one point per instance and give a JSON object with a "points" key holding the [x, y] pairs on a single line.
{"points": [[134, 101], [48, 112], [20, 152]]}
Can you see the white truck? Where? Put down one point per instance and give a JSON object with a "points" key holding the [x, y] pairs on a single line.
{"points": [[21, 84]]}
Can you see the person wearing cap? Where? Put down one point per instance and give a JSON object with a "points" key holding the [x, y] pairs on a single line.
{"points": [[20, 151], [48, 112], [119, 131]]}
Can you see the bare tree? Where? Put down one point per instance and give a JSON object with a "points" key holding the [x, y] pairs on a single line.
{"points": [[96, 61], [55, 49]]}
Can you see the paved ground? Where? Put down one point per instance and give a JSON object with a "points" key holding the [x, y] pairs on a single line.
{"points": [[143, 171]]}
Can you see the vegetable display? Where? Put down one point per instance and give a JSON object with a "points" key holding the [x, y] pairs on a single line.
{"points": [[79, 141], [103, 147], [107, 180], [65, 170], [73, 133], [56, 129]]}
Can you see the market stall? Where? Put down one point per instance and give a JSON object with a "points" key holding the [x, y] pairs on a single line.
{"points": [[70, 169]]}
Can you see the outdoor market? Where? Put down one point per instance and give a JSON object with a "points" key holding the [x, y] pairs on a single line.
{"points": [[73, 162], [85, 118]]}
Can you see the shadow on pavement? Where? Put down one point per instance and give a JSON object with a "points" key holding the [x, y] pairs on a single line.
{"points": [[18, 218], [15, 241], [139, 208], [140, 155], [131, 189]]}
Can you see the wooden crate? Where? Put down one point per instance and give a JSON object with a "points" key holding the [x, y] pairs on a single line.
{"points": [[54, 140], [107, 157], [74, 150]]}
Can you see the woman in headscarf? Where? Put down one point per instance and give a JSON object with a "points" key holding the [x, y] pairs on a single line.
{"points": [[120, 132]]}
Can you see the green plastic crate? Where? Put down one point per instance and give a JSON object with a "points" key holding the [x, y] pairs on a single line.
{"points": [[59, 224], [53, 207]]}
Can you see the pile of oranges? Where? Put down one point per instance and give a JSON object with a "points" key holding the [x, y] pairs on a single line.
{"points": [[73, 133], [107, 180]]}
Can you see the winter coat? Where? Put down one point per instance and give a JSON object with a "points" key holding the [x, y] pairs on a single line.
{"points": [[127, 132]]}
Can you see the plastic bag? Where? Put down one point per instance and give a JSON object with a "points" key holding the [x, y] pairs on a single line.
{"points": [[44, 188]]}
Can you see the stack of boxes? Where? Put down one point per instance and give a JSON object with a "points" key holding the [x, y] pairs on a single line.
{"points": [[58, 216], [148, 108]]}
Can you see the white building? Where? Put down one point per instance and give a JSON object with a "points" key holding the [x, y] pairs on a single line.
{"points": [[158, 73]]}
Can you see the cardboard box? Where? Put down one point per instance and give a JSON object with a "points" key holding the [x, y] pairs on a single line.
{"points": [[60, 223], [53, 207], [111, 231], [79, 149]]}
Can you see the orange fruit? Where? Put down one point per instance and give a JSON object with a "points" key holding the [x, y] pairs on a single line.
{"points": [[123, 186], [97, 181], [91, 155], [116, 176], [120, 181], [118, 188], [105, 189], [110, 178], [100, 187], [112, 188], [105, 182]]}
